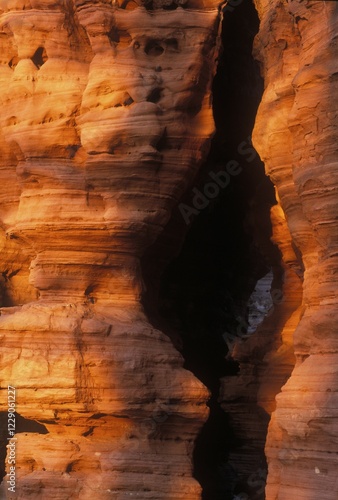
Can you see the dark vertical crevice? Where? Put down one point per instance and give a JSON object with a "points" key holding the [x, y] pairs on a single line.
{"points": [[202, 295]]}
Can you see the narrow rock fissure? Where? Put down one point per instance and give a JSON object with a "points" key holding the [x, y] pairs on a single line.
{"points": [[206, 293]]}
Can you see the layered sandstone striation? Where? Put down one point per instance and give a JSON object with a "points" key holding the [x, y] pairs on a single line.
{"points": [[266, 359], [106, 117], [293, 353], [296, 136]]}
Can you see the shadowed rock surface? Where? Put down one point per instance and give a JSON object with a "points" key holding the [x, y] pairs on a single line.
{"points": [[106, 121]]}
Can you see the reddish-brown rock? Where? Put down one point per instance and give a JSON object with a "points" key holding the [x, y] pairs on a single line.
{"points": [[293, 353], [105, 117], [296, 136]]}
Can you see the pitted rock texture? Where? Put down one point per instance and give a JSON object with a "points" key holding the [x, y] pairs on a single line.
{"points": [[296, 136], [293, 354], [106, 116]]}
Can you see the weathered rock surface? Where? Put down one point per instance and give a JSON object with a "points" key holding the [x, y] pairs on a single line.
{"points": [[266, 359], [106, 116], [293, 353], [296, 136], [105, 119]]}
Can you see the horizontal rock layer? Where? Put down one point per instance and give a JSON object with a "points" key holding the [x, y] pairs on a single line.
{"points": [[106, 117], [296, 136]]}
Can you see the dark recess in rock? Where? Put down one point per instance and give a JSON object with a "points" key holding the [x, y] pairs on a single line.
{"points": [[205, 288]]}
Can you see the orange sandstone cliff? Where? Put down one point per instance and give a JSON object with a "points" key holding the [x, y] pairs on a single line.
{"points": [[106, 117], [296, 136]]}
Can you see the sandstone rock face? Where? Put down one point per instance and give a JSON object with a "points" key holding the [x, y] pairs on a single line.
{"points": [[106, 116], [266, 359], [296, 136]]}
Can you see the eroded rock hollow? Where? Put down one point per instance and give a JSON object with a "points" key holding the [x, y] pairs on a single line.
{"points": [[106, 121]]}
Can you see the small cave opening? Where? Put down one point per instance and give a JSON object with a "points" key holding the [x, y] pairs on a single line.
{"points": [[40, 57], [154, 48], [200, 298], [22, 424]]}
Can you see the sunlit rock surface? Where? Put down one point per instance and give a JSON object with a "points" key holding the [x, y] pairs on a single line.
{"points": [[293, 354], [105, 118], [296, 136]]}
